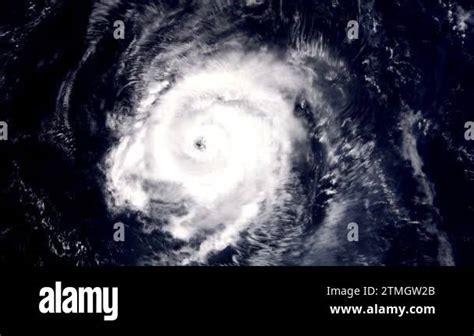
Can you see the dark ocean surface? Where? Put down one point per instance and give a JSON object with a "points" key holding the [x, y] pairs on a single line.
{"points": [[385, 141]]}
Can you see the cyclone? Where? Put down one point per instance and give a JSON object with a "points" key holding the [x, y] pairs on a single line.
{"points": [[220, 143], [215, 132]]}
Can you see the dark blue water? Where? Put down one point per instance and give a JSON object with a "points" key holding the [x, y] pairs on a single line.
{"points": [[403, 98]]}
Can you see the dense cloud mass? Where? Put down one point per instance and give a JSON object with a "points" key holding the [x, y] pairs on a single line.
{"points": [[237, 132]]}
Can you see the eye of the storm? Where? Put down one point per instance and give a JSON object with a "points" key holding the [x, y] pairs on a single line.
{"points": [[200, 143]]}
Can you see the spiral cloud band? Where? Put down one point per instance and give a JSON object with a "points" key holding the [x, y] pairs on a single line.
{"points": [[218, 132], [218, 146]]}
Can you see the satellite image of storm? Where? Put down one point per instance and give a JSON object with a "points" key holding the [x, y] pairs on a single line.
{"points": [[237, 132]]}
